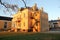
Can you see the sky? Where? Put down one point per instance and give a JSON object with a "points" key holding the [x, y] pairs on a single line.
{"points": [[52, 7]]}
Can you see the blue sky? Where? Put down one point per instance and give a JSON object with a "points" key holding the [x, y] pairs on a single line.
{"points": [[52, 7]]}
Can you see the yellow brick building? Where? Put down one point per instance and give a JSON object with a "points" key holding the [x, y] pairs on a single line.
{"points": [[30, 19]]}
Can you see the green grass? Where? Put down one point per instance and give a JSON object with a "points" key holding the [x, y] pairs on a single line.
{"points": [[29, 36]]}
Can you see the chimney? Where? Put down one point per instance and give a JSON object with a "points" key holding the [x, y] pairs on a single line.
{"points": [[41, 8], [34, 7]]}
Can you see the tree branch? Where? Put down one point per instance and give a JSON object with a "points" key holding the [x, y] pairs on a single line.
{"points": [[24, 3]]}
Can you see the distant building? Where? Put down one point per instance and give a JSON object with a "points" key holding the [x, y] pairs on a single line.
{"points": [[5, 23], [54, 24], [30, 19]]}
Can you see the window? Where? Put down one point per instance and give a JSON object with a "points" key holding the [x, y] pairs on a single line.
{"points": [[36, 24], [5, 25], [20, 24], [24, 14], [13, 24], [24, 23], [20, 16]]}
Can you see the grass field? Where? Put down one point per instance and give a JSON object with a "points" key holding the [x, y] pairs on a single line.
{"points": [[29, 36]]}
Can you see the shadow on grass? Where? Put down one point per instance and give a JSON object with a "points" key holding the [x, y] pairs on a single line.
{"points": [[30, 36]]}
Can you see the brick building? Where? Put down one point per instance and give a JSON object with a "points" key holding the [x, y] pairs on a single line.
{"points": [[5, 23], [30, 19]]}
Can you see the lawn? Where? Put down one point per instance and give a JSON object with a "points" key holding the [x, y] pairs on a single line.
{"points": [[29, 36]]}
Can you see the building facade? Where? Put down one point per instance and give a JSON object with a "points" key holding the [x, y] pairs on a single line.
{"points": [[5, 23], [54, 25], [44, 21], [30, 19]]}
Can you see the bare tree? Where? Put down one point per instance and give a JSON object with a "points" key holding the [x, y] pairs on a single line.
{"points": [[9, 6], [13, 7], [24, 3]]}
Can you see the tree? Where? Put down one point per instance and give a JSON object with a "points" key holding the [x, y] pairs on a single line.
{"points": [[24, 3], [9, 6]]}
